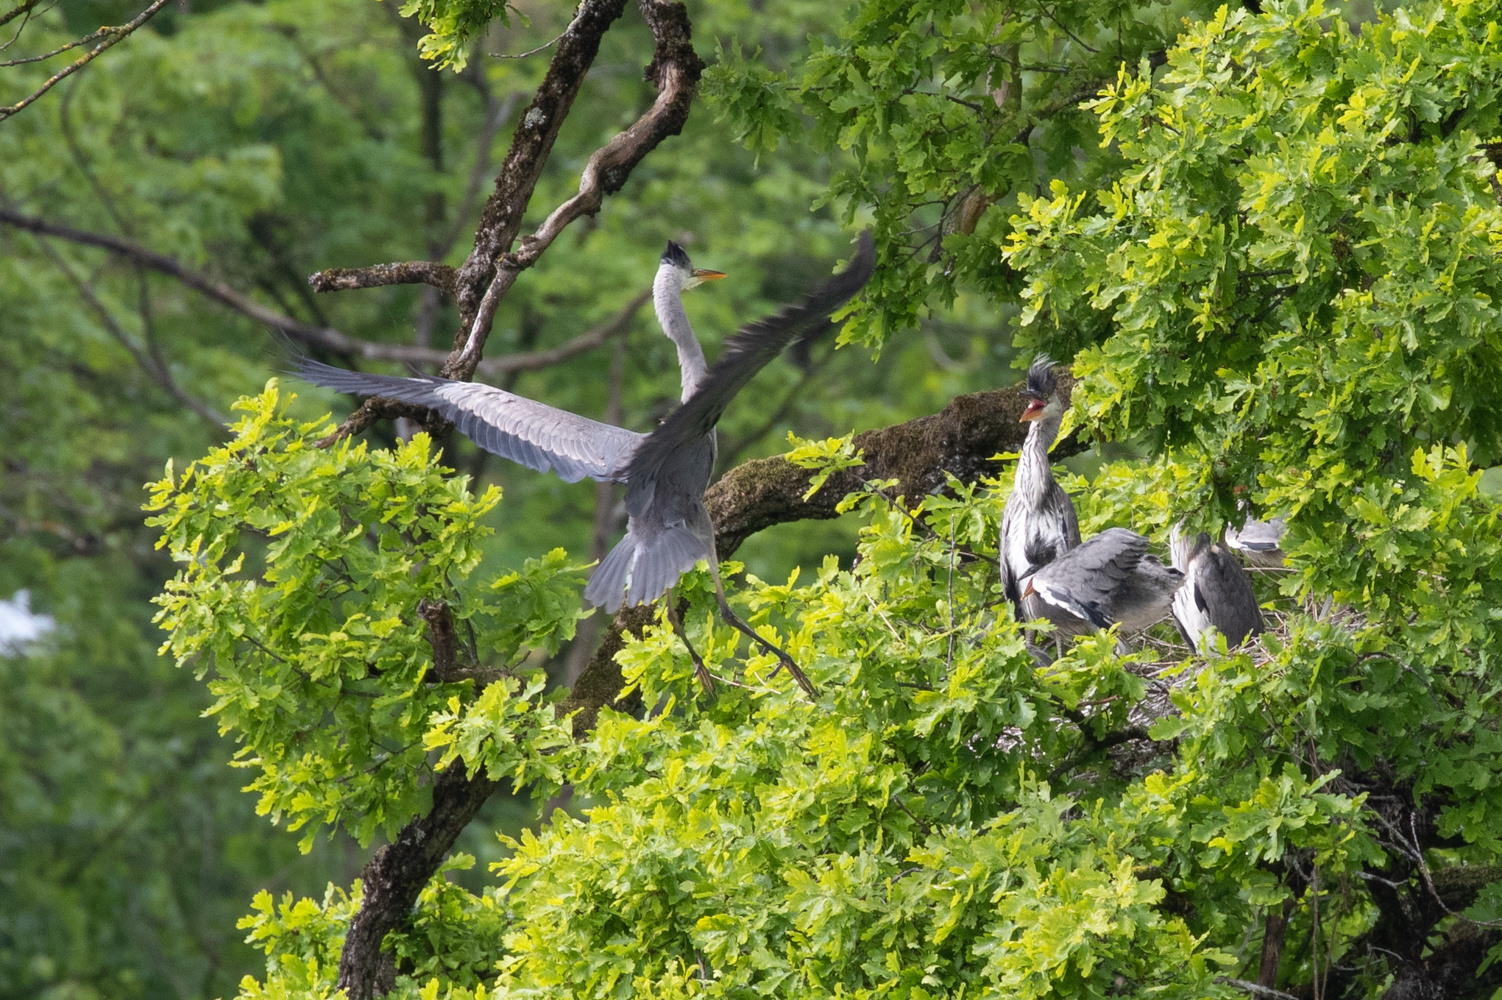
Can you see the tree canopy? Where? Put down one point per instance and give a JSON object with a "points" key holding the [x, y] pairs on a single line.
{"points": [[1264, 241]]}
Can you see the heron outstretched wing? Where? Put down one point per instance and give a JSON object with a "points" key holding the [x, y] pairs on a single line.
{"points": [[747, 353], [1084, 580], [527, 432]]}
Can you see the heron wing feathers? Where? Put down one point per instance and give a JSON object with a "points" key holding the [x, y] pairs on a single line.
{"points": [[527, 432], [747, 353], [1082, 580]]}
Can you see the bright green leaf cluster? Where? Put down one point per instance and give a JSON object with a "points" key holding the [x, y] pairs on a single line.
{"points": [[303, 571]]}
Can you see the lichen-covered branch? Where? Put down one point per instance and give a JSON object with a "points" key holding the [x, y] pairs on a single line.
{"points": [[412, 272], [111, 36]]}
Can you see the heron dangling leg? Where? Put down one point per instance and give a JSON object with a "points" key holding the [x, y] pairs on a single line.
{"points": [[700, 670], [733, 619]]}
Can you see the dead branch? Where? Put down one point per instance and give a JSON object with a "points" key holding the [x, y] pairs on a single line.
{"points": [[675, 68], [412, 272], [112, 35]]}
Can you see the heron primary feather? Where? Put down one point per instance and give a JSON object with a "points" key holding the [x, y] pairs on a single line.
{"points": [[667, 471]]}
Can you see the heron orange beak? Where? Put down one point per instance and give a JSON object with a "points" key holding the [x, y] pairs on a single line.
{"points": [[1034, 410], [705, 274], [1028, 591]]}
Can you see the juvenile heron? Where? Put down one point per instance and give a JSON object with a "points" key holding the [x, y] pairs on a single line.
{"points": [[1217, 593], [1038, 523], [1109, 578], [667, 471], [1259, 542]]}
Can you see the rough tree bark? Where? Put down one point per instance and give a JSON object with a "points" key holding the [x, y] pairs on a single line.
{"points": [[397, 873]]}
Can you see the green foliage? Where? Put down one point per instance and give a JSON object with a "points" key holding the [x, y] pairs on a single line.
{"points": [[321, 663], [946, 114], [452, 24], [900, 836]]}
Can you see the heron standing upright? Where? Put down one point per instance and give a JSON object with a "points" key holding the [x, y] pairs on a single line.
{"points": [[1038, 523], [667, 471]]}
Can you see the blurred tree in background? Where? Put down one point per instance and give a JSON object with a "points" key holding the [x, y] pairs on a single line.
{"points": [[1268, 249]]}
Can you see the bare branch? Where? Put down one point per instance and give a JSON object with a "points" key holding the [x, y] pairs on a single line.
{"points": [[317, 336], [675, 68], [113, 35], [412, 272], [86, 39], [144, 359], [24, 7], [501, 219], [587, 341]]}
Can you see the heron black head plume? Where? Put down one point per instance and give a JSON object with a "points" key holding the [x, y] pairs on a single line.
{"points": [[674, 255], [1041, 380]]}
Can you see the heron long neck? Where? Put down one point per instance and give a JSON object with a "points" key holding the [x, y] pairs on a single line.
{"points": [[1033, 471], [668, 301]]}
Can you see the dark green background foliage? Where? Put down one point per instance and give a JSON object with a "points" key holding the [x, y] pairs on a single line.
{"points": [[1266, 242]]}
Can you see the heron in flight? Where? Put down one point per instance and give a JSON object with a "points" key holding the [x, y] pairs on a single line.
{"points": [[1038, 523], [1108, 579], [1217, 593], [666, 471]]}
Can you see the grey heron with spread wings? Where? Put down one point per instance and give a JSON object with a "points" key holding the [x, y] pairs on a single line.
{"points": [[667, 471]]}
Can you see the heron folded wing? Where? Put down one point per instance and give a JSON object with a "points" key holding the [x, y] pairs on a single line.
{"points": [[1092, 606], [530, 433], [747, 353]]}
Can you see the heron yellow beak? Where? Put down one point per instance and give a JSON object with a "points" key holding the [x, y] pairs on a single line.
{"points": [[705, 274]]}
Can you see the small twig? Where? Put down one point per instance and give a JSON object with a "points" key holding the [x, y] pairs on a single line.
{"points": [[24, 7], [529, 52], [1254, 989], [1314, 931], [949, 660], [86, 39], [158, 372], [1429, 881], [115, 35]]}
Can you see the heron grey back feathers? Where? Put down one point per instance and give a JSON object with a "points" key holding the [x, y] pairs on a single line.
{"points": [[530, 433], [1107, 578]]}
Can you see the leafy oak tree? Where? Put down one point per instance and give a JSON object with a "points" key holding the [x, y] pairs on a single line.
{"points": [[1267, 250], [1279, 286]]}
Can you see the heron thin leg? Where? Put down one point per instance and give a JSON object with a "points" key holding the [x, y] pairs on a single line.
{"points": [[700, 670], [734, 620]]}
